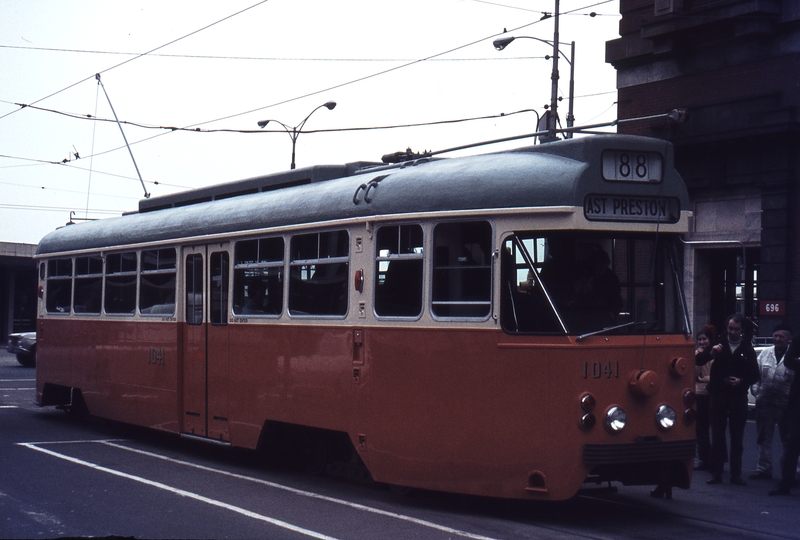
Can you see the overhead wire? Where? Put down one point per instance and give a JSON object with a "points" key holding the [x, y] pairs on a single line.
{"points": [[140, 55], [296, 98], [55, 208], [258, 58], [59, 190], [194, 127], [353, 81], [231, 130], [68, 163]]}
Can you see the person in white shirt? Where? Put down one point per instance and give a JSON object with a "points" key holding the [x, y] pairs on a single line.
{"points": [[772, 397]]}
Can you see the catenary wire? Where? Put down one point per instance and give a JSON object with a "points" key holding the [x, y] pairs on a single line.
{"points": [[140, 55]]}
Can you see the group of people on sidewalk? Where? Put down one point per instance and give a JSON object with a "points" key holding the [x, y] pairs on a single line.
{"points": [[725, 372]]}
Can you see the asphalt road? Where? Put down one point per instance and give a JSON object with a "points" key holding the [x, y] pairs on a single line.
{"points": [[66, 477]]}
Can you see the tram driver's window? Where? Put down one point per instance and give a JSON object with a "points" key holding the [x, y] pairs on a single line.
{"points": [[258, 277], [120, 283], [88, 284], [157, 282], [398, 271], [59, 286], [462, 269], [318, 273]]}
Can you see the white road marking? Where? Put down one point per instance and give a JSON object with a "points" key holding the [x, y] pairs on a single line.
{"points": [[182, 493], [303, 493]]}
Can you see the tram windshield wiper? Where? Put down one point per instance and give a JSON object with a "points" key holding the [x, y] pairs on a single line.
{"points": [[609, 328]]}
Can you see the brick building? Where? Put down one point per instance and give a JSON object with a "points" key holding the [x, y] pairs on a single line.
{"points": [[735, 66]]}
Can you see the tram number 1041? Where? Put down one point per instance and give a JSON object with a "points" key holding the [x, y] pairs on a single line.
{"points": [[155, 357], [597, 370], [627, 166]]}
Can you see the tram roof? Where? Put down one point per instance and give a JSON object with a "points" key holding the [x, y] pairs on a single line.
{"points": [[554, 174]]}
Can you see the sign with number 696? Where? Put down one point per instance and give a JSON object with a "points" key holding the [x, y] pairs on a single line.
{"points": [[772, 307]]}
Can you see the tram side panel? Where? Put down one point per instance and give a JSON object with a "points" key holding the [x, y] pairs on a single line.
{"points": [[125, 371], [297, 374], [441, 411]]}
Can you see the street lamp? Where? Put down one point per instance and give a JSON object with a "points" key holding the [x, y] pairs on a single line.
{"points": [[294, 132], [502, 43]]}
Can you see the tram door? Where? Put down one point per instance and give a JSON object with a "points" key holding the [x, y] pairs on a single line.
{"points": [[205, 342]]}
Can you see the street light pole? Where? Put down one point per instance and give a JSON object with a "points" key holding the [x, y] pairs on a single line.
{"points": [[502, 43], [551, 118], [294, 132]]}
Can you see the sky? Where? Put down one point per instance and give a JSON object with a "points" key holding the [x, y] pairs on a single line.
{"points": [[400, 74]]}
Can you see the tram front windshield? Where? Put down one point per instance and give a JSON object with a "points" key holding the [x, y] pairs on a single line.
{"points": [[579, 282]]}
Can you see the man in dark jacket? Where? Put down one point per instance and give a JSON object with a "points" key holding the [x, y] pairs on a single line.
{"points": [[735, 369], [791, 419]]}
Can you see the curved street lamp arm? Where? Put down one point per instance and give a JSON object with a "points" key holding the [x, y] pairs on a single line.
{"points": [[294, 132], [329, 105]]}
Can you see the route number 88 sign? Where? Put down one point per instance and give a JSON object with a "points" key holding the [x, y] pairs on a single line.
{"points": [[631, 166]]}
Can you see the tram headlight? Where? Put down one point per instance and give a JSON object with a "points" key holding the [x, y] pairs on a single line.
{"points": [[665, 417], [616, 419]]}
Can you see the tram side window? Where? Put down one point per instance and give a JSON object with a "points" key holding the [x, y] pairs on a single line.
{"points": [[59, 286], [398, 271], [258, 277], [194, 289], [318, 273], [120, 283], [219, 288], [88, 284], [462, 269], [157, 282]]}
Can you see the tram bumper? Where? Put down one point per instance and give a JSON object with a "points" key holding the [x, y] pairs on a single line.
{"points": [[644, 462]]}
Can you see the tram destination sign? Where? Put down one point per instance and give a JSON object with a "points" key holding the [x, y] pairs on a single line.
{"points": [[628, 166], [605, 207]]}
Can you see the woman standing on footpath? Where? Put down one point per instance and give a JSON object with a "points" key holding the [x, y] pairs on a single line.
{"points": [[705, 337]]}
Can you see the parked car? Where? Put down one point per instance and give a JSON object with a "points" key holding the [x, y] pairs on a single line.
{"points": [[23, 344]]}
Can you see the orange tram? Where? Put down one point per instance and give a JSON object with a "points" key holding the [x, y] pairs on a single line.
{"points": [[508, 324]]}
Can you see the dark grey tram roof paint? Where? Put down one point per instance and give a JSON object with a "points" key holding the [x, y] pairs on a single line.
{"points": [[554, 174]]}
